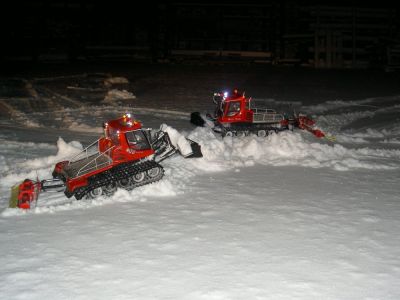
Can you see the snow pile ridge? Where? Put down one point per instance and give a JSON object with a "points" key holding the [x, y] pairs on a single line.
{"points": [[64, 150], [41, 167], [178, 140], [163, 188], [328, 105], [115, 94], [76, 126], [288, 148], [219, 154], [115, 80]]}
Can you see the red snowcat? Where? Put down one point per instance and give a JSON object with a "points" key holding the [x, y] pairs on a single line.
{"points": [[238, 115], [127, 156]]}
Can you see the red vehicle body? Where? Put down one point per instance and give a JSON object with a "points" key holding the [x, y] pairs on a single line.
{"points": [[127, 156], [236, 108], [124, 142], [236, 114], [240, 115]]}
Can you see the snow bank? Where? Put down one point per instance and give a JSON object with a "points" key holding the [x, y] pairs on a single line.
{"points": [[336, 104], [391, 141], [115, 80], [3, 164], [41, 167], [24, 119], [64, 150], [334, 122], [359, 122], [115, 94], [53, 202], [178, 140], [219, 154], [163, 188], [287, 148], [76, 126]]}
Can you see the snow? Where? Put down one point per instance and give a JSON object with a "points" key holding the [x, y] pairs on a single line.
{"points": [[40, 167], [76, 126], [291, 148], [288, 216], [110, 81], [115, 94], [177, 139]]}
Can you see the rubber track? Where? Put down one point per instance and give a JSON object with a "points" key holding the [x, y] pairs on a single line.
{"points": [[122, 171], [252, 128]]}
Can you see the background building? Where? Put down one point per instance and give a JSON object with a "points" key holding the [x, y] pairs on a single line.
{"points": [[321, 34]]}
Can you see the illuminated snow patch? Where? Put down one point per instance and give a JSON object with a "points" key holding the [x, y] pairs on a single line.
{"points": [[287, 148], [76, 126], [40, 167]]}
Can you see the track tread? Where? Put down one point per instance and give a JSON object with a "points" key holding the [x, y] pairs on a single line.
{"points": [[119, 172]]}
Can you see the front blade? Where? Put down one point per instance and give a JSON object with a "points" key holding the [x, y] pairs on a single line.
{"points": [[196, 150]]}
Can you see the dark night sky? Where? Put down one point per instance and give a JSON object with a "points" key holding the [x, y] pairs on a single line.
{"points": [[36, 27]]}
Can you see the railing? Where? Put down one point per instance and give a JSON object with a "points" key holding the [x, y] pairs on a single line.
{"points": [[262, 114], [267, 117], [103, 159], [84, 154], [263, 110]]}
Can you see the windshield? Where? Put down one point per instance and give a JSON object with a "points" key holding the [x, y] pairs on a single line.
{"points": [[137, 140], [234, 108]]}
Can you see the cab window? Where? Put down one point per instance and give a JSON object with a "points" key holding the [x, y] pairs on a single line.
{"points": [[234, 108], [114, 136], [137, 140]]}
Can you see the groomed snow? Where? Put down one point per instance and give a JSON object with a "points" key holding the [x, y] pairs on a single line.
{"points": [[288, 216]]}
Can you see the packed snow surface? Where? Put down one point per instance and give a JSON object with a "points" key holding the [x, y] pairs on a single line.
{"points": [[288, 216], [115, 94]]}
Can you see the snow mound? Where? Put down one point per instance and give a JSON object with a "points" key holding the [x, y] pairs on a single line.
{"points": [[114, 94], [219, 155], [115, 80], [3, 164], [177, 139], [76, 126], [364, 115], [40, 167], [339, 104], [54, 202], [287, 148], [163, 188]]}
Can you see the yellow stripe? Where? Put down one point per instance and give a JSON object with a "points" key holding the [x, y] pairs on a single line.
{"points": [[330, 138], [13, 203]]}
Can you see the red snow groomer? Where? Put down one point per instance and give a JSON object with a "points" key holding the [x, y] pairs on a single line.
{"points": [[238, 115], [127, 156]]}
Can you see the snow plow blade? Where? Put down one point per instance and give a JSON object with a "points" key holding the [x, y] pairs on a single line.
{"points": [[196, 150], [164, 148]]}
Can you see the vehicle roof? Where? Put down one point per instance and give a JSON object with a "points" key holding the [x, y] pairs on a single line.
{"points": [[235, 98], [125, 123]]}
